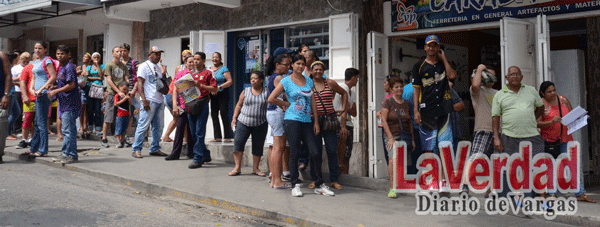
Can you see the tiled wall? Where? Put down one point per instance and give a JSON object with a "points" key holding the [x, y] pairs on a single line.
{"points": [[179, 21]]}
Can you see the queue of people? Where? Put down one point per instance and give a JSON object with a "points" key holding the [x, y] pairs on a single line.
{"points": [[297, 112]]}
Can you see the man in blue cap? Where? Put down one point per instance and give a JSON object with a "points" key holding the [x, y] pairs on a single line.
{"points": [[431, 96]]}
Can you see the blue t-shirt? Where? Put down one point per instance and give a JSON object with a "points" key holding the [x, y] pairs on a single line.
{"points": [[299, 98], [69, 101], [219, 75], [271, 87], [94, 74], [41, 77], [408, 96]]}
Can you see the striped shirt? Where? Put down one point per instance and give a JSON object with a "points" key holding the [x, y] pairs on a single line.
{"points": [[254, 109], [327, 97]]}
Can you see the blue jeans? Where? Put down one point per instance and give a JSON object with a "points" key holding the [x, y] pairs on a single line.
{"points": [[39, 142], [563, 149], [121, 124], [154, 116], [198, 128], [331, 141], [69, 130], [15, 112], [296, 133]]}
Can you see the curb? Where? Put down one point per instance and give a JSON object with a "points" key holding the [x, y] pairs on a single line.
{"points": [[149, 188]]}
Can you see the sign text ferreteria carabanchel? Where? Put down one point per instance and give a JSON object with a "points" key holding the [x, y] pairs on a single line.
{"points": [[420, 14]]}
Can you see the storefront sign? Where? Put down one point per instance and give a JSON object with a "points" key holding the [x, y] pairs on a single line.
{"points": [[420, 14]]}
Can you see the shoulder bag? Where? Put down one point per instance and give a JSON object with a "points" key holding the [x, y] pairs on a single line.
{"points": [[330, 121], [162, 83], [553, 148], [96, 91]]}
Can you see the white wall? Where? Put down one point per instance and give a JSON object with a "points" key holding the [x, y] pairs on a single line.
{"points": [[115, 35]]}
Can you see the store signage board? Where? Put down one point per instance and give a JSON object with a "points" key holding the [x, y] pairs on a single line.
{"points": [[421, 14]]}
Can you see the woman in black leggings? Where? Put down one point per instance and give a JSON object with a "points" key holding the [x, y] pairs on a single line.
{"points": [[219, 101]]}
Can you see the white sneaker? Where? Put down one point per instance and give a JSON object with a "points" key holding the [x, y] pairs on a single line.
{"points": [[444, 187], [324, 190], [296, 192]]}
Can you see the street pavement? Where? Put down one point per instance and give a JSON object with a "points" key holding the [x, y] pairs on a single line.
{"points": [[41, 195], [250, 195]]}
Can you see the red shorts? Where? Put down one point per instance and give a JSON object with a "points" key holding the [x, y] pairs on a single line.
{"points": [[28, 119]]}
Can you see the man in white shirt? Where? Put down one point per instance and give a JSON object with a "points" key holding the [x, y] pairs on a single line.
{"points": [[346, 135], [153, 106]]}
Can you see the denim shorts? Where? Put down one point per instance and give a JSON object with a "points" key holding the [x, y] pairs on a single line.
{"points": [[169, 101], [121, 125], [275, 119]]}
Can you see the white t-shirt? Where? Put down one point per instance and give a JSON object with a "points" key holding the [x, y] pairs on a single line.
{"points": [[337, 102], [150, 72], [16, 72]]}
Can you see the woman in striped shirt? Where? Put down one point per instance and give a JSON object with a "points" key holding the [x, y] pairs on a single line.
{"points": [[251, 112], [324, 92]]}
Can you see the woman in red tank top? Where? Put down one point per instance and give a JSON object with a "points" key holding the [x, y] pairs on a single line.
{"points": [[324, 91], [551, 128]]}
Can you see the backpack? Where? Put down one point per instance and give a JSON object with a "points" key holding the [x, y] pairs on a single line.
{"points": [[56, 64]]}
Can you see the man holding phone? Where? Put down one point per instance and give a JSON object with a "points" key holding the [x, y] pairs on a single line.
{"points": [[431, 95]]}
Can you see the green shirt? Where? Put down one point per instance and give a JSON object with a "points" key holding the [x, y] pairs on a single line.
{"points": [[118, 73], [517, 111]]}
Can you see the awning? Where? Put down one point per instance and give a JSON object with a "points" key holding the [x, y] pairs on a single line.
{"points": [[14, 12]]}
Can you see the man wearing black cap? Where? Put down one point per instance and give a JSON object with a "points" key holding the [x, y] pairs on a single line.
{"points": [[431, 95]]}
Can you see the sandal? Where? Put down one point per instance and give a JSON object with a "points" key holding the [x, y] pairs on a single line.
{"points": [[227, 141], [38, 154], [260, 174], [234, 173], [168, 139], [585, 198], [312, 185], [336, 185], [26, 153]]}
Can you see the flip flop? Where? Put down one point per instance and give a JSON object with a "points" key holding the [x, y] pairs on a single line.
{"points": [[38, 154], [585, 198], [234, 173], [168, 139], [260, 174], [214, 140], [26, 153]]}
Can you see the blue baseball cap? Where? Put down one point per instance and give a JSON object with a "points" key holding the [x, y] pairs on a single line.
{"points": [[281, 50], [432, 38]]}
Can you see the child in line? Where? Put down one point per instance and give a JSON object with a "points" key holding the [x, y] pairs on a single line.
{"points": [[69, 100], [122, 121]]}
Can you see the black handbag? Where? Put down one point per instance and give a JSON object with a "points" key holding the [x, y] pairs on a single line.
{"points": [[195, 107], [553, 148], [162, 82], [330, 121]]}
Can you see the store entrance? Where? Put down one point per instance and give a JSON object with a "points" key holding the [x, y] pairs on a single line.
{"points": [[545, 51]]}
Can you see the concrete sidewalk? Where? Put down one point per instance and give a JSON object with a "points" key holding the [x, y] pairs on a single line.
{"points": [[250, 194]]}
